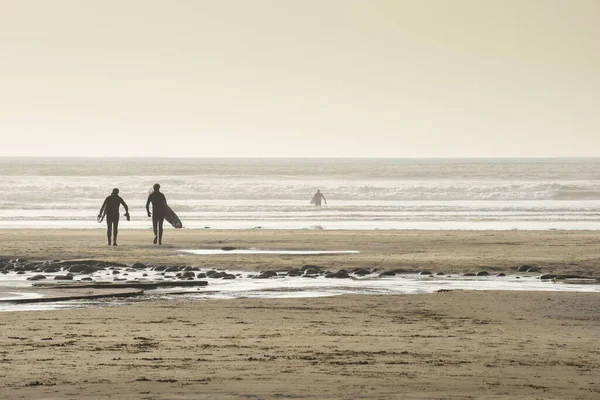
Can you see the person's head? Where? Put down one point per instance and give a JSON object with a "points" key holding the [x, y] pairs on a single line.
{"points": [[156, 187], [115, 191], [318, 190]]}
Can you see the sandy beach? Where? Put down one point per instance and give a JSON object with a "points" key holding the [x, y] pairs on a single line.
{"points": [[575, 252], [457, 344]]}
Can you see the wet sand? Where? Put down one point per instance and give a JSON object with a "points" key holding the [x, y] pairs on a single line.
{"points": [[557, 252], [457, 344]]}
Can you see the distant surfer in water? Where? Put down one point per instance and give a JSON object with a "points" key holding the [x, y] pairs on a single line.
{"points": [[316, 199], [159, 210], [110, 209]]}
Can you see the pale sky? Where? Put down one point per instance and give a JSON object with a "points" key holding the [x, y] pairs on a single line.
{"points": [[302, 78]]}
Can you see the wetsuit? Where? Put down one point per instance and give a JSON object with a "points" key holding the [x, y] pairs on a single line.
{"points": [[111, 206], [317, 199], [159, 210]]}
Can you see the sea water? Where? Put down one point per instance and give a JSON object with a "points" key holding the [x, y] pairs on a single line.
{"points": [[275, 193]]}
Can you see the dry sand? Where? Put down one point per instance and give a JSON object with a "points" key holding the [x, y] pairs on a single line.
{"points": [[443, 345]]}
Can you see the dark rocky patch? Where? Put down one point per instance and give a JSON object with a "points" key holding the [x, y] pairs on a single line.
{"points": [[36, 278], [341, 274], [361, 272], [387, 273], [482, 273], [215, 274], [312, 271], [266, 275]]}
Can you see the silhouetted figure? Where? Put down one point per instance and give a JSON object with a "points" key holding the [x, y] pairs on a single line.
{"points": [[110, 208], [316, 199], [159, 210]]}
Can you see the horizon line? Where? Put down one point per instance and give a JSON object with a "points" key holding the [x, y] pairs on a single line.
{"points": [[306, 158]]}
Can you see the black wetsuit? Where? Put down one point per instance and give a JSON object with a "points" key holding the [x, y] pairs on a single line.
{"points": [[159, 210], [317, 199], [111, 206]]}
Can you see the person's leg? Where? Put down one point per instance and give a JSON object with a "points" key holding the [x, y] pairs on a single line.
{"points": [[115, 231], [155, 227], [108, 229], [160, 229]]}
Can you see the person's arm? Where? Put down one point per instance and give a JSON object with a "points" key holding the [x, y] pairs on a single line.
{"points": [[124, 205], [148, 206], [324, 199], [126, 208]]}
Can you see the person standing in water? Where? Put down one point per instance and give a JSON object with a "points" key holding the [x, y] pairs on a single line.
{"points": [[316, 199], [159, 210], [110, 208]]}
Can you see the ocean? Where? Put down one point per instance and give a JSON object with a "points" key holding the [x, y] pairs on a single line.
{"points": [[484, 194]]}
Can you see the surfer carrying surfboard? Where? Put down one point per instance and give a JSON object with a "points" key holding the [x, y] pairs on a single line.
{"points": [[317, 197], [110, 209], [159, 211]]}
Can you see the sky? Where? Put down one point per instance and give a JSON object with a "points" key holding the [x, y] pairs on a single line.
{"points": [[291, 78]]}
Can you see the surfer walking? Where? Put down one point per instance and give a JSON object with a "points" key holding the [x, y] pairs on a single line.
{"points": [[317, 197], [159, 211], [110, 209]]}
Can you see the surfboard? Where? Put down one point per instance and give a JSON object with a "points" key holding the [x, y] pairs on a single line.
{"points": [[173, 219], [101, 217]]}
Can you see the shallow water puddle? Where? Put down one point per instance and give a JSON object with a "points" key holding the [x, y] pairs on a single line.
{"points": [[246, 286], [258, 251]]}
